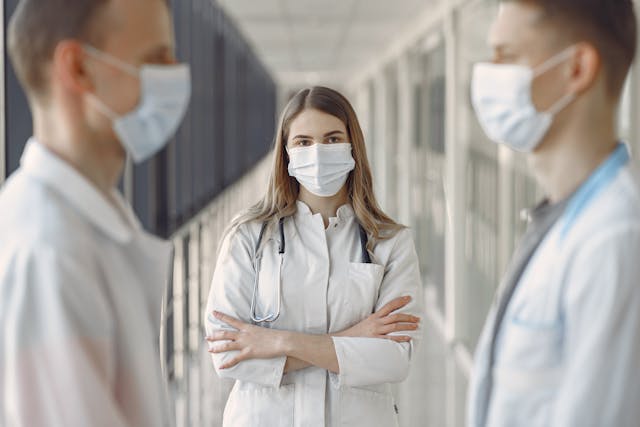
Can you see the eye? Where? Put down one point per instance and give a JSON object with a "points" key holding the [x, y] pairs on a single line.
{"points": [[334, 140], [302, 142]]}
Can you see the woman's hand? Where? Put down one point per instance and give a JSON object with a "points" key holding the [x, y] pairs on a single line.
{"points": [[256, 342], [382, 323], [253, 342]]}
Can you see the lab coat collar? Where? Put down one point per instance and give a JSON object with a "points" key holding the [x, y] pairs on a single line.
{"points": [[344, 212], [45, 166]]}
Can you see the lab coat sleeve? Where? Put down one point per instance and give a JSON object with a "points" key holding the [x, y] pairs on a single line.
{"points": [[230, 293], [601, 382], [371, 361], [58, 356]]}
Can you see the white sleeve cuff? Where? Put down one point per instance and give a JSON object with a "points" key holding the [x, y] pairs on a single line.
{"points": [[370, 361]]}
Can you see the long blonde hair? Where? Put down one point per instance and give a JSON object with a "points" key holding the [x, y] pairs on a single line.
{"points": [[282, 191]]}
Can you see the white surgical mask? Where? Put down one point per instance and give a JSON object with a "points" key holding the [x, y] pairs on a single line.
{"points": [[501, 96], [165, 91], [322, 169]]}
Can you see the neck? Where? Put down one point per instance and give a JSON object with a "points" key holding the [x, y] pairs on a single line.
{"points": [[326, 206], [96, 160], [568, 157]]}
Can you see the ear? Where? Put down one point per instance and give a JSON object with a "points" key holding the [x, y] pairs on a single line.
{"points": [[585, 68], [69, 67]]}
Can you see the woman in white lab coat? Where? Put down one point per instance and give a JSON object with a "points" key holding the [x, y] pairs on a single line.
{"points": [[313, 304]]}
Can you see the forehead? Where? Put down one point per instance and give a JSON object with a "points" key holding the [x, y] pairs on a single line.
{"points": [[312, 122], [519, 24], [138, 24]]}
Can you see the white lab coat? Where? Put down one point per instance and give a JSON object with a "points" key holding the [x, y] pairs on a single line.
{"points": [[80, 298], [568, 354], [325, 288]]}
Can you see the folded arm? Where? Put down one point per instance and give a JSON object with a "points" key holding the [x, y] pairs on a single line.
{"points": [[369, 361], [378, 344], [250, 342]]}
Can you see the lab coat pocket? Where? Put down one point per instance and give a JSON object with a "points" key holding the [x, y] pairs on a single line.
{"points": [[252, 405], [526, 374], [368, 406], [363, 287], [530, 347]]}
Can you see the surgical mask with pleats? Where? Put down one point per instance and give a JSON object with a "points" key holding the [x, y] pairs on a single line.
{"points": [[322, 169], [165, 91], [501, 96]]}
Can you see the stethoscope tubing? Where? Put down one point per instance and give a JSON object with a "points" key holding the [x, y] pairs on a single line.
{"points": [[269, 318]]}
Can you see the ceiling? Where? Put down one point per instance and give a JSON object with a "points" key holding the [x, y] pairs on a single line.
{"points": [[322, 41]]}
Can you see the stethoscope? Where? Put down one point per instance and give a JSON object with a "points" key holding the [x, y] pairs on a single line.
{"points": [[272, 317]]}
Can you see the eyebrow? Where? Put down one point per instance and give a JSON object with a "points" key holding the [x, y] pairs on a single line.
{"points": [[335, 132]]}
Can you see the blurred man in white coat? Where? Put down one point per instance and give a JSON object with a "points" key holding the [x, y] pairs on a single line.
{"points": [[80, 282], [561, 346]]}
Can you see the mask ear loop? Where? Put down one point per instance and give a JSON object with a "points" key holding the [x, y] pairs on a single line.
{"points": [[100, 106], [561, 104], [549, 64], [553, 62], [112, 60]]}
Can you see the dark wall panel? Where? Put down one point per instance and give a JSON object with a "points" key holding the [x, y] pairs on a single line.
{"points": [[228, 127], [17, 115], [231, 119], [230, 109]]}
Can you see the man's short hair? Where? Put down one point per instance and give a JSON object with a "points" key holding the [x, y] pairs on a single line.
{"points": [[36, 28], [609, 25]]}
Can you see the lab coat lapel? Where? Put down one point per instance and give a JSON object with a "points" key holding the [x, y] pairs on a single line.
{"points": [[43, 165], [527, 248]]}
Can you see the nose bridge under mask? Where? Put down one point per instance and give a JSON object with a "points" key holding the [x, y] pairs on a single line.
{"points": [[321, 169]]}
